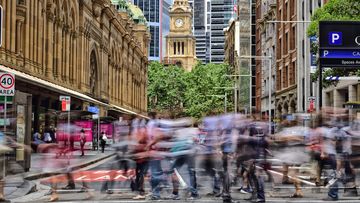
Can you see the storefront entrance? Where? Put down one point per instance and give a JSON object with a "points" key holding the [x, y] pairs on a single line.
{"points": [[18, 129]]}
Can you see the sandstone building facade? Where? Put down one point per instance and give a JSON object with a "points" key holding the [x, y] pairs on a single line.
{"points": [[92, 50]]}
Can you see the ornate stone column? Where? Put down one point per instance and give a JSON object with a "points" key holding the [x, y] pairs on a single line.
{"points": [[58, 48], [49, 41], [67, 50], [74, 56]]}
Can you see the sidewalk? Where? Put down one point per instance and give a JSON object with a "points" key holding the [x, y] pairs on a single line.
{"points": [[22, 184]]}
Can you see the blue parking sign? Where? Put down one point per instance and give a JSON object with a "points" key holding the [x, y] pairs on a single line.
{"points": [[335, 38]]}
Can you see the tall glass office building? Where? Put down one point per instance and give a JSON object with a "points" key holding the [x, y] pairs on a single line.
{"points": [[221, 12], [201, 28], [156, 13]]}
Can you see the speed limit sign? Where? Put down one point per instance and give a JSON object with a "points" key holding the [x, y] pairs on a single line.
{"points": [[7, 84]]}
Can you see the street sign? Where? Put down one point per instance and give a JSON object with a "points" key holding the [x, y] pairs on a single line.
{"points": [[345, 54], [339, 44], [93, 109], [1, 24], [313, 56], [311, 106], [311, 99], [7, 84], [65, 103]]}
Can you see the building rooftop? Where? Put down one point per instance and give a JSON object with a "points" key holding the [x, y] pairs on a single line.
{"points": [[136, 14], [133, 11]]}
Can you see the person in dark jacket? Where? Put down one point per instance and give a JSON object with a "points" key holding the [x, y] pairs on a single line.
{"points": [[82, 141], [103, 140]]}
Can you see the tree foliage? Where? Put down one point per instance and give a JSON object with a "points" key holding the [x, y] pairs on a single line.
{"points": [[203, 83], [334, 10], [166, 87], [174, 92]]}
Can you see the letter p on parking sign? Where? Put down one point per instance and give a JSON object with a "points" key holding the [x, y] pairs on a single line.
{"points": [[335, 38]]}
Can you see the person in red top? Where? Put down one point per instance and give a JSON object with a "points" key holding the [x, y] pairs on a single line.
{"points": [[139, 133]]}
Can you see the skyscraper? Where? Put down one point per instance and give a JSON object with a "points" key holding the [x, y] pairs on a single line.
{"points": [[221, 12], [156, 13], [201, 28]]}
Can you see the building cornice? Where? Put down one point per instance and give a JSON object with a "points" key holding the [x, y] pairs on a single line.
{"points": [[286, 91]]}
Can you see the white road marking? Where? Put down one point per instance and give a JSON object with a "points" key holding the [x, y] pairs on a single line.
{"points": [[291, 177]]}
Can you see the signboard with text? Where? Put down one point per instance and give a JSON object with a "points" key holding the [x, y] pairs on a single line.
{"points": [[311, 99], [7, 84], [93, 109], [65, 103], [339, 44], [313, 56], [87, 126]]}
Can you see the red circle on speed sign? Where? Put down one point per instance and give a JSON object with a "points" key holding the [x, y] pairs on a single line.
{"points": [[7, 81]]}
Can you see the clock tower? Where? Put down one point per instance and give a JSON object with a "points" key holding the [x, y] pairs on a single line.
{"points": [[180, 42]]}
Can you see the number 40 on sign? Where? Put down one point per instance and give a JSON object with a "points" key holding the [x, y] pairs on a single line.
{"points": [[7, 84]]}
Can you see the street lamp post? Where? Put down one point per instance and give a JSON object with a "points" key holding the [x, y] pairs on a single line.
{"points": [[267, 58]]}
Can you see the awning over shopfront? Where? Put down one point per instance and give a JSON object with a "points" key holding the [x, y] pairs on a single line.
{"points": [[49, 85], [118, 108], [37, 81]]}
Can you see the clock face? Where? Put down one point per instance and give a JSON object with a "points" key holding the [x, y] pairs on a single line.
{"points": [[179, 22]]}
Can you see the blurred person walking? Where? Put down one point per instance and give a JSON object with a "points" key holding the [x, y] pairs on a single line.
{"points": [[210, 155], [154, 135], [257, 143], [183, 151], [82, 141], [103, 140], [328, 158], [243, 153], [62, 166], [344, 166], [293, 153], [140, 135], [121, 162], [8, 144], [227, 148]]}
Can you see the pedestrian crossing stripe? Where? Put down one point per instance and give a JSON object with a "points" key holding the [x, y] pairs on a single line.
{"points": [[94, 176]]}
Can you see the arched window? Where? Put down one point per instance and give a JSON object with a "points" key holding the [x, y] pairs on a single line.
{"points": [[93, 72]]}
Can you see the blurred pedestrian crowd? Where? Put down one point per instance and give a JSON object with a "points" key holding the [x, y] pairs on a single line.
{"points": [[234, 150]]}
